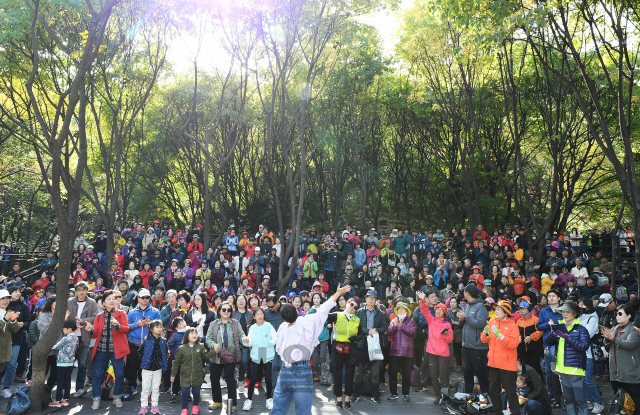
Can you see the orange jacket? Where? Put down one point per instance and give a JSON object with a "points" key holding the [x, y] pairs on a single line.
{"points": [[503, 354]]}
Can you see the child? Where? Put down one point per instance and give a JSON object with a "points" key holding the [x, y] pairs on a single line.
{"points": [[262, 342], [153, 357], [66, 357], [179, 329], [522, 387], [188, 361]]}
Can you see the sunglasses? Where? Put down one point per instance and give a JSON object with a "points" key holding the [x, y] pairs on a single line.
{"points": [[621, 314], [144, 298], [116, 297], [225, 310]]}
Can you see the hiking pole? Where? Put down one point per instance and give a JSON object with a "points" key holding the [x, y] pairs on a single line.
{"points": [[229, 406]]}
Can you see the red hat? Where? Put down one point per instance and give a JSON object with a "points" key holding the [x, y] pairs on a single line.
{"points": [[442, 306], [245, 233], [198, 226], [156, 221], [475, 267]]}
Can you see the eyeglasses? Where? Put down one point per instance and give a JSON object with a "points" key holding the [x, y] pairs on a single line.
{"points": [[117, 297], [144, 298], [225, 310]]}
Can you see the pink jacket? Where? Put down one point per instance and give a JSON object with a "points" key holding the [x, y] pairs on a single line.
{"points": [[438, 343]]}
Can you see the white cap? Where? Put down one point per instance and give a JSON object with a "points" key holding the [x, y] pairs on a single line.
{"points": [[605, 299], [4, 293], [258, 249], [144, 292]]}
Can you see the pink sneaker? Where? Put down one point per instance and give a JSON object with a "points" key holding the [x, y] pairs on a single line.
{"points": [[195, 409], [184, 412], [143, 410], [155, 410]]}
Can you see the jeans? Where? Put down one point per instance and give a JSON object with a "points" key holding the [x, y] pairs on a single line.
{"points": [[276, 365], [185, 396], [533, 408], [475, 361], [319, 356], [574, 397], [548, 374], [245, 363], [296, 382], [22, 357], [83, 354], [64, 382], [100, 363], [590, 388], [10, 372]]}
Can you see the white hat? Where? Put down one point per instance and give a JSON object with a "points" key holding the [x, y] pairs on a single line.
{"points": [[4, 293], [258, 249], [605, 299], [144, 292]]}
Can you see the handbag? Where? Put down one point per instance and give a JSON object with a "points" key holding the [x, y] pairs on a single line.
{"points": [[226, 355], [342, 348]]}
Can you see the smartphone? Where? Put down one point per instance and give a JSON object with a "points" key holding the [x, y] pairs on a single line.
{"points": [[444, 331]]}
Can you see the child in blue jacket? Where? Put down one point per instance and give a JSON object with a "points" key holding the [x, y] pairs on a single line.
{"points": [[153, 357]]}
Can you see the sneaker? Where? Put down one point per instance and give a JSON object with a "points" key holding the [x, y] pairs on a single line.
{"points": [[64, 402], [598, 408], [355, 398], [6, 393], [195, 409], [233, 408], [80, 393], [174, 398], [55, 404], [117, 403], [270, 404], [223, 383], [339, 405], [143, 410], [376, 399], [391, 397], [155, 410], [258, 384], [164, 390], [421, 389], [247, 405], [590, 405], [133, 390], [316, 378], [438, 401], [28, 383], [95, 405], [246, 383], [184, 412], [215, 405], [347, 405], [406, 398], [330, 388], [240, 387]]}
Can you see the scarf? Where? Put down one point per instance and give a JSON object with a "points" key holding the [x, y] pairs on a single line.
{"points": [[348, 315]]}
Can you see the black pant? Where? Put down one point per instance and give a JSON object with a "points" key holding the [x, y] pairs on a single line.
{"points": [[175, 386], [64, 382], [52, 368], [475, 361], [419, 347], [132, 368], [342, 360], [404, 365], [256, 376], [503, 379], [457, 352], [633, 389], [229, 377]]}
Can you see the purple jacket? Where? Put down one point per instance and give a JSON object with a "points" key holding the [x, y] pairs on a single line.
{"points": [[402, 338]]}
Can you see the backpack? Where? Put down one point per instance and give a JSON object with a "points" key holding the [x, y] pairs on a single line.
{"points": [[108, 385], [19, 402], [621, 293], [366, 381], [622, 403], [602, 280]]}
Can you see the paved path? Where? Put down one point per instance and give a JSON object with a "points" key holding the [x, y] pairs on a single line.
{"points": [[323, 403]]}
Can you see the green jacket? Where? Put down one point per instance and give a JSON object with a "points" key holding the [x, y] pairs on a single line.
{"points": [[380, 323], [234, 336], [189, 360], [624, 355], [7, 328]]}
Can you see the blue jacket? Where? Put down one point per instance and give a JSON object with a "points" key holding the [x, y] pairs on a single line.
{"points": [[232, 242], [573, 355], [360, 256], [176, 341], [180, 257], [414, 243], [543, 321], [136, 333], [147, 349], [48, 264]]}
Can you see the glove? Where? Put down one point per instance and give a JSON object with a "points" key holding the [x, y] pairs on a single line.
{"points": [[497, 333], [486, 331], [561, 334]]}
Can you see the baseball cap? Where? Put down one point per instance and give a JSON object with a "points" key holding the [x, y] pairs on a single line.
{"points": [[144, 293], [605, 299]]}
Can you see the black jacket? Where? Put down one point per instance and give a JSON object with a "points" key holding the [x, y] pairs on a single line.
{"points": [[24, 317]]}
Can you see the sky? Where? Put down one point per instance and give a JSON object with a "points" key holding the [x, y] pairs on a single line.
{"points": [[182, 52]]}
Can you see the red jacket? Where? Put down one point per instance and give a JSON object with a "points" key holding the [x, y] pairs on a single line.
{"points": [[41, 283], [437, 343], [146, 275], [120, 342], [193, 247]]}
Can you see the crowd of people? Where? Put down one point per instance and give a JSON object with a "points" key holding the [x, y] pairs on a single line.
{"points": [[361, 311]]}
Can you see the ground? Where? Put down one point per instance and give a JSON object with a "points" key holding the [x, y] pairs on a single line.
{"points": [[323, 403]]}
